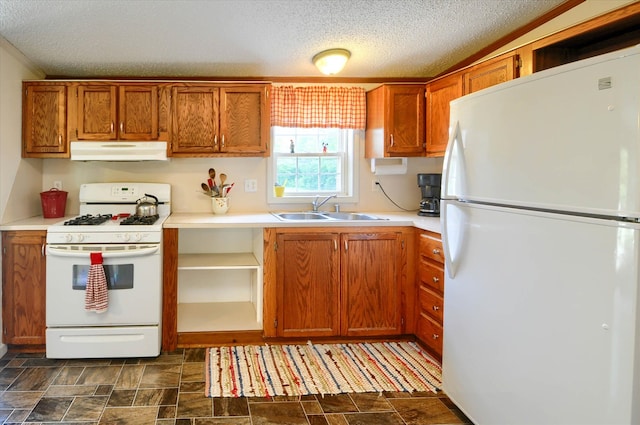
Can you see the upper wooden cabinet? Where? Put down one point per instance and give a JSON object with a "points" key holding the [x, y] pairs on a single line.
{"points": [[490, 73], [395, 121], [210, 120], [117, 112], [44, 120], [442, 91], [439, 94]]}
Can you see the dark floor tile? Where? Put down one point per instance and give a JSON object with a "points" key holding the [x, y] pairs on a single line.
{"points": [[156, 397], [317, 420], [193, 372], [19, 399], [192, 387], [340, 403], [227, 406], [222, 421], [194, 405], [286, 413], [312, 407], [4, 414], [50, 409], [99, 375], [104, 389], [424, 411], [123, 415], [130, 376], [34, 379], [367, 402], [160, 376], [86, 409], [8, 375], [166, 412], [121, 398], [195, 355], [374, 418], [69, 375]]}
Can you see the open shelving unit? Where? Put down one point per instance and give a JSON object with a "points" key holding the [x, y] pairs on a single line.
{"points": [[220, 280]]}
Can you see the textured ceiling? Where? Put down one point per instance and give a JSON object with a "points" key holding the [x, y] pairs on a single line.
{"points": [[250, 38]]}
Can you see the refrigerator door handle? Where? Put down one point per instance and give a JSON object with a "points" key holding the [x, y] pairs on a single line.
{"points": [[446, 247], [453, 157]]}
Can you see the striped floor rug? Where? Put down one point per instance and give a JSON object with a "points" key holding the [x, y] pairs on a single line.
{"points": [[270, 370]]}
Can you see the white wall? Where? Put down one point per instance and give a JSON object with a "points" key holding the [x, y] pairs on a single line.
{"points": [[19, 179]]}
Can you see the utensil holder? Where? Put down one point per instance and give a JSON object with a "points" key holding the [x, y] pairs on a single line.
{"points": [[220, 205]]}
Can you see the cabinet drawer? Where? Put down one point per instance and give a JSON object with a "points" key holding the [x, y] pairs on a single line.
{"points": [[430, 303], [431, 248], [431, 275], [430, 333]]}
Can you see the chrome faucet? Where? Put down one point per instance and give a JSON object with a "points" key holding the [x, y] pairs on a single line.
{"points": [[317, 205]]}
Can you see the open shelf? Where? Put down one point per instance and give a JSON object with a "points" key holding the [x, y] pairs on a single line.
{"points": [[203, 317], [241, 260]]}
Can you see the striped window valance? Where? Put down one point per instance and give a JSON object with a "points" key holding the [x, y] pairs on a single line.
{"points": [[319, 107]]}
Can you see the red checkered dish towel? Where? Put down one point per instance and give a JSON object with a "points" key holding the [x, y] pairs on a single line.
{"points": [[96, 297]]}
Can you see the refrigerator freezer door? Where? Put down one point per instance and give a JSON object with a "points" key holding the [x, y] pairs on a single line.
{"points": [[541, 319], [566, 139]]}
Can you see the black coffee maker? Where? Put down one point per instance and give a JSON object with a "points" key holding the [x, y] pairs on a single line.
{"points": [[430, 188]]}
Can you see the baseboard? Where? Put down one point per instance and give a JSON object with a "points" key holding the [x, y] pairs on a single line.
{"points": [[3, 349]]}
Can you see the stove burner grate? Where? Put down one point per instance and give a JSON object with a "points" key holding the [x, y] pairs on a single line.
{"points": [[88, 220], [137, 219]]}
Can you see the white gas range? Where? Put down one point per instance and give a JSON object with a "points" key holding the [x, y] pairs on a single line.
{"points": [[131, 250]]}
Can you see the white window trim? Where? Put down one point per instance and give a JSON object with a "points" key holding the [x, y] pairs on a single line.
{"points": [[353, 181]]}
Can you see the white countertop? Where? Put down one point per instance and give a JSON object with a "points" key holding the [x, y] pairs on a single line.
{"points": [[208, 220]]}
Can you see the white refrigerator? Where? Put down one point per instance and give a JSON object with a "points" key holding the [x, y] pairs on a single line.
{"points": [[540, 225]]}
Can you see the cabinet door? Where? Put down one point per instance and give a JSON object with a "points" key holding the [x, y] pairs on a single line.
{"points": [[439, 94], [97, 108], [23, 287], [195, 120], [44, 121], [307, 280], [244, 119], [371, 284], [405, 118], [490, 73], [138, 113]]}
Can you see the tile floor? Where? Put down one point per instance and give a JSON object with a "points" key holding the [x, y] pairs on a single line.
{"points": [[170, 390]]}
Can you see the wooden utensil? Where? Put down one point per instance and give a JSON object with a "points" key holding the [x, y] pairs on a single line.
{"points": [[223, 178], [206, 188]]}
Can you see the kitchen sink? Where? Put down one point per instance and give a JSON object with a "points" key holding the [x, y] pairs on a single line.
{"points": [[338, 216]]}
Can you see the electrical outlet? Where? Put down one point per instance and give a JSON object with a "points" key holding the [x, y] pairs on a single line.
{"points": [[57, 184], [374, 185], [251, 185]]}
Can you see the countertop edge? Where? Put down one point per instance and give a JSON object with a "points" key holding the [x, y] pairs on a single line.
{"points": [[208, 220]]}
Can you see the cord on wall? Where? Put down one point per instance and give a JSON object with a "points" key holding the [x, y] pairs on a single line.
{"points": [[392, 201]]}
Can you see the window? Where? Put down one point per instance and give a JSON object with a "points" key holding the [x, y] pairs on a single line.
{"points": [[313, 161]]}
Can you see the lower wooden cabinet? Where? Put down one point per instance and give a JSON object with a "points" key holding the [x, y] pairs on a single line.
{"points": [[23, 287], [430, 291], [336, 282]]}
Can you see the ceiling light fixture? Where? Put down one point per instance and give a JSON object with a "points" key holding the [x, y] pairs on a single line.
{"points": [[331, 61]]}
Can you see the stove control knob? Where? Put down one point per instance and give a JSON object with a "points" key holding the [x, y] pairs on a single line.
{"points": [[125, 237], [80, 237], [68, 237], [137, 237]]}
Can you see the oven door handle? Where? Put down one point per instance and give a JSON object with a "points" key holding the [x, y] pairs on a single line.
{"points": [[86, 252]]}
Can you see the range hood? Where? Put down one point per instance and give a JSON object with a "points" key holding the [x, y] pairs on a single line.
{"points": [[118, 151]]}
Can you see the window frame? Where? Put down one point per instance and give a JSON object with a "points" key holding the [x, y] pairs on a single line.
{"points": [[353, 143]]}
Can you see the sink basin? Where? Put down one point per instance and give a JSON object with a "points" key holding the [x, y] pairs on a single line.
{"points": [[301, 216], [325, 216], [350, 216]]}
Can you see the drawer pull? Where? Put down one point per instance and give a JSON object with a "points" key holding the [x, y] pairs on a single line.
{"points": [[436, 251], [436, 336], [435, 308], [436, 279]]}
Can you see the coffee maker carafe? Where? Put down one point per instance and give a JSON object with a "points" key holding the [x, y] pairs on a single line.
{"points": [[430, 189]]}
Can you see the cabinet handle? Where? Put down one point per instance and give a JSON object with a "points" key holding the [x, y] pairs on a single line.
{"points": [[42, 249], [392, 141], [436, 336], [346, 246], [215, 141], [222, 141], [436, 279], [436, 251], [435, 308], [121, 127], [59, 139], [112, 126], [335, 245]]}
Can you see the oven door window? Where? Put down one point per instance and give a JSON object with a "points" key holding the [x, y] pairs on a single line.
{"points": [[119, 276]]}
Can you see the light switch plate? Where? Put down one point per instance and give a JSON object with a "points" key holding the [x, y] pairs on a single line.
{"points": [[251, 185]]}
